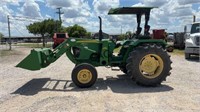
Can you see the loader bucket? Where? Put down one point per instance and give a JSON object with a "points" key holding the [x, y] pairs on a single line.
{"points": [[37, 59]]}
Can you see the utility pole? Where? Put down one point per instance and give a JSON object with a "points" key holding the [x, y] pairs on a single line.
{"points": [[121, 29], [9, 32], [59, 13], [194, 18]]}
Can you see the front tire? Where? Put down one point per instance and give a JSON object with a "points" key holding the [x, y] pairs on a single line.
{"points": [[149, 65], [84, 75]]}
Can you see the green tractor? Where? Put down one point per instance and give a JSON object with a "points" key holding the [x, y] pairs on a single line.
{"points": [[144, 59]]}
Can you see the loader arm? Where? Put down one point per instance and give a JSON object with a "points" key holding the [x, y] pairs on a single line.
{"points": [[64, 47]]}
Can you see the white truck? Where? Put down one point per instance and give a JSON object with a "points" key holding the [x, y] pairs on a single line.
{"points": [[192, 40]]}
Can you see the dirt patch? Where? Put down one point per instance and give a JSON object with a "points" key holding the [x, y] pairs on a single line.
{"points": [[51, 89], [9, 52]]}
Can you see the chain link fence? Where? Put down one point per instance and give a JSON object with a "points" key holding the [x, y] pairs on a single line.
{"points": [[33, 42]]}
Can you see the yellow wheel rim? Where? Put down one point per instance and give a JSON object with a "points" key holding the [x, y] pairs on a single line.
{"points": [[84, 76], [151, 66]]}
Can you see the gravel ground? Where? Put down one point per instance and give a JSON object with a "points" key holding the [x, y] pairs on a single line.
{"points": [[51, 89]]}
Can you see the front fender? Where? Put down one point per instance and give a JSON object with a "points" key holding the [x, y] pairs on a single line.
{"points": [[149, 41]]}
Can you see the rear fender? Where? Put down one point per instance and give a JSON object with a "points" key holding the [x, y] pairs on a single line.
{"points": [[132, 44], [149, 41]]}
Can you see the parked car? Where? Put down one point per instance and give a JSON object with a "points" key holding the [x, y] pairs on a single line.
{"points": [[58, 38]]}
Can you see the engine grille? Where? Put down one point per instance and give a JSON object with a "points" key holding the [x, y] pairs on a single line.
{"points": [[197, 39]]}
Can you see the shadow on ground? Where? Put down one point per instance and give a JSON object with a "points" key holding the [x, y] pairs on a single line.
{"points": [[119, 84]]}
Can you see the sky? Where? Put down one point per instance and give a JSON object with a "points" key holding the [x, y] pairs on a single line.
{"points": [[171, 15]]}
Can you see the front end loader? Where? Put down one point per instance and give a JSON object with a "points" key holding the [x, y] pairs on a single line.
{"points": [[144, 59]]}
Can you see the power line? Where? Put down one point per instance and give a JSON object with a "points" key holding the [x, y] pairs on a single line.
{"points": [[20, 18], [25, 20], [26, 17], [19, 31]]}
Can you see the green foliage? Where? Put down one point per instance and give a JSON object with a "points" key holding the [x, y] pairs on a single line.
{"points": [[121, 37], [1, 35], [127, 35], [76, 31], [44, 28], [88, 35], [48, 27]]}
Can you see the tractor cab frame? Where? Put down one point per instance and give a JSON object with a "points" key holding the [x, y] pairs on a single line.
{"points": [[138, 11]]}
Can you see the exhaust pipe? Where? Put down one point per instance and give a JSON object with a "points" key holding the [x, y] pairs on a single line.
{"points": [[100, 29], [194, 18]]}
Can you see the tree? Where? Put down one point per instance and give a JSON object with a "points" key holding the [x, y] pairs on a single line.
{"points": [[44, 28], [129, 34], [76, 31], [88, 35], [121, 37], [1, 35]]}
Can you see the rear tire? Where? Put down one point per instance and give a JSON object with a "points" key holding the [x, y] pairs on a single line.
{"points": [[129, 67], [84, 75], [149, 65]]}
